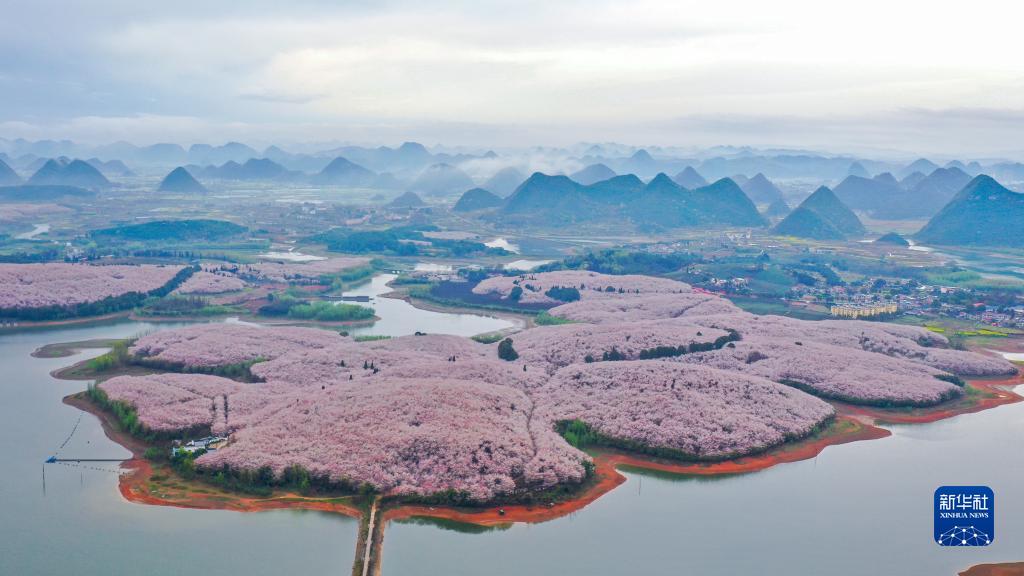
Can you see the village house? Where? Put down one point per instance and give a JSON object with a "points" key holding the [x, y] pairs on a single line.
{"points": [[208, 444]]}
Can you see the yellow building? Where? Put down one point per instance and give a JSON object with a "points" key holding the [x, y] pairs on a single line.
{"points": [[862, 310]]}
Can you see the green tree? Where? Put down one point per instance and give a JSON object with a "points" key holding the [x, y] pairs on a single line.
{"points": [[506, 351]]}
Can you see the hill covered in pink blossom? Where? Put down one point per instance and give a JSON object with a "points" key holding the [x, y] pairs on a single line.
{"points": [[654, 368], [210, 283], [25, 286], [217, 344], [299, 271], [591, 285]]}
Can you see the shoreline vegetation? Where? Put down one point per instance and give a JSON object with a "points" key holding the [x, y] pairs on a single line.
{"points": [[979, 395], [852, 423], [157, 483]]}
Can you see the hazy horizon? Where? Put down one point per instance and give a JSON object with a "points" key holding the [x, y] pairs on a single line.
{"points": [[888, 79]]}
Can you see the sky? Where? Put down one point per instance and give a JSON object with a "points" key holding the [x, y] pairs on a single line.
{"points": [[892, 77]]}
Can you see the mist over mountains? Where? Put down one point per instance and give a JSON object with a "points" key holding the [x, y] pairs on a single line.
{"points": [[406, 160], [594, 183]]}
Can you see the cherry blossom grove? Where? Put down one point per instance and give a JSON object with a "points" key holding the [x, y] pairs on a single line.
{"points": [[208, 345], [649, 307], [591, 285], [169, 402], [832, 371], [59, 284], [560, 346], [291, 271], [656, 367], [210, 283], [697, 411]]}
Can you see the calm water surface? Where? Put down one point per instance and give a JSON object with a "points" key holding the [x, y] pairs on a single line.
{"points": [[78, 524], [857, 509]]}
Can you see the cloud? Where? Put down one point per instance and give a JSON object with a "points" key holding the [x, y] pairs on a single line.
{"points": [[497, 72]]}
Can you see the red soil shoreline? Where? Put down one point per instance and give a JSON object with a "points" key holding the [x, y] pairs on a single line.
{"points": [[1004, 569], [996, 393], [134, 485], [606, 464], [853, 424]]}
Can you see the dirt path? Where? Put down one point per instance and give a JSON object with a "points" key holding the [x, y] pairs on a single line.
{"points": [[371, 539]]}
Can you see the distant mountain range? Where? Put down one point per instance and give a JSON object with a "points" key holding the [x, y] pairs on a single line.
{"points": [[8, 177], [69, 173], [777, 209], [931, 193], [407, 201], [504, 181], [338, 172], [412, 166], [916, 196], [922, 165], [180, 180], [761, 190], [251, 169], [404, 161], [911, 180], [806, 223], [893, 239], [555, 200], [984, 213], [111, 167], [441, 180], [343, 172], [690, 179], [593, 174], [868, 194], [822, 216], [477, 199], [858, 169], [231, 152]]}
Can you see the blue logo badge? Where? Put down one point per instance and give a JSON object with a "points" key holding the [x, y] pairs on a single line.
{"points": [[964, 516]]}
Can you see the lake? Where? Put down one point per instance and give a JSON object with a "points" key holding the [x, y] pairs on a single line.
{"points": [[862, 508]]}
